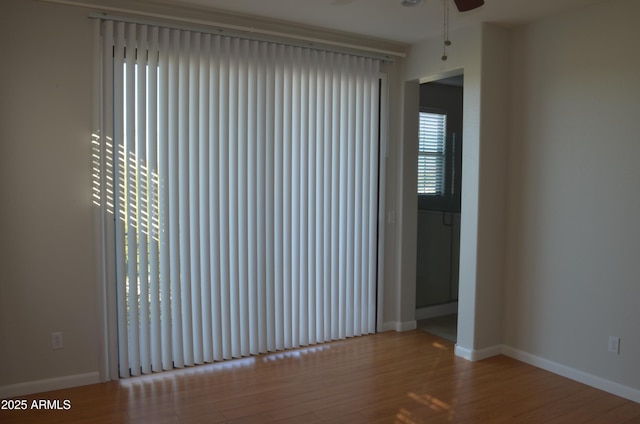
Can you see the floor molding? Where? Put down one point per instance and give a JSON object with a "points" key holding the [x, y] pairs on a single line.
{"points": [[573, 374], [399, 326], [600, 383], [39, 386], [477, 355], [551, 366]]}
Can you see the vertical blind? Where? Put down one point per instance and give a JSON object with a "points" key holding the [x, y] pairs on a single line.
{"points": [[245, 181], [431, 153]]}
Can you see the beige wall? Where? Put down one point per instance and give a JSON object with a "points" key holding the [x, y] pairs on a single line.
{"points": [[47, 244], [572, 274]]}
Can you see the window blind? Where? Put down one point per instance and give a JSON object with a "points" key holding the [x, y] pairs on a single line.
{"points": [[243, 180], [431, 153]]}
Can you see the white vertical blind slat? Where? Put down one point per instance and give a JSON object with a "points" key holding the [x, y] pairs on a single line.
{"points": [[223, 167], [155, 340], [349, 217], [142, 196], [343, 200], [163, 198], [278, 199], [261, 212], [119, 158], [287, 195], [214, 197], [174, 201], [252, 200], [234, 303], [130, 168], [358, 216], [312, 249], [336, 201], [246, 209], [195, 199], [295, 142], [205, 248], [242, 190], [325, 190], [270, 103], [373, 200], [303, 228], [184, 198], [366, 194]]}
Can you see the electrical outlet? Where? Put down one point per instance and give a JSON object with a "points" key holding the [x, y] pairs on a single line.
{"points": [[56, 340], [614, 344]]}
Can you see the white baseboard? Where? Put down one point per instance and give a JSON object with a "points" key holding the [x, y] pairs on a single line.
{"points": [[554, 367], [399, 326], [437, 311], [39, 386], [477, 355], [574, 374]]}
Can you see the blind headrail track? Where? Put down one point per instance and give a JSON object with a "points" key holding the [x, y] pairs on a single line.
{"points": [[206, 26]]}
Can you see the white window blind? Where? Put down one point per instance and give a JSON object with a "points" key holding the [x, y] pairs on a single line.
{"points": [[243, 180], [431, 153]]}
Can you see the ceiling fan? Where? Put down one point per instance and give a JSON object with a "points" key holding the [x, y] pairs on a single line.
{"points": [[462, 5]]}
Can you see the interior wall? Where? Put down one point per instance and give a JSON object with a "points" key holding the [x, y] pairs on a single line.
{"points": [[483, 194], [423, 65], [390, 220], [492, 192], [47, 256], [574, 237]]}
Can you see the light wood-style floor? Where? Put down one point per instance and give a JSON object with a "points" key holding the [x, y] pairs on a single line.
{"points": [[402, 378]]}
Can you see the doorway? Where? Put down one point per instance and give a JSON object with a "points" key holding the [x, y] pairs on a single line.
{"points": [[439, 188]]}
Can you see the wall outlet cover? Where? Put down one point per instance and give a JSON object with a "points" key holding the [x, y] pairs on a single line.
{"points": [[56, 340], [614, 344]]}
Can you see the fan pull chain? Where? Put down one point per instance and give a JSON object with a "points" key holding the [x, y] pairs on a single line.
{"points": [[447, 42]]}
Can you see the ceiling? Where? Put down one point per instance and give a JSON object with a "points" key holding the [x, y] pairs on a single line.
{"points": [[387, 19]]}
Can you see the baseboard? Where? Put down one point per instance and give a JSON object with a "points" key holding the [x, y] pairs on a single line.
{"points": [[477, 355], [39, 386], [573, 374], [436, 311], [399, 326], [554, 367]]}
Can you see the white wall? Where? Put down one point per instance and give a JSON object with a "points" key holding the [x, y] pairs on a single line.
{"points": [[424, 62], [573, 255], [47, 259], [481, 52]]}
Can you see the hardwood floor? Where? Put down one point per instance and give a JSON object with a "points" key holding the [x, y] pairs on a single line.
{"points": [[404, 378]]}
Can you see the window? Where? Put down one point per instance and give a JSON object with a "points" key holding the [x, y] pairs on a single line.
{"points": [[432, 153]]}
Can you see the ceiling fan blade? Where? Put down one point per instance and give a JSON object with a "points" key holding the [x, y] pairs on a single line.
{"points": [[464, 5]]}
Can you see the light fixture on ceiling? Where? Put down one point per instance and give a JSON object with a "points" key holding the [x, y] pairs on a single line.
{"points": [[411, 3]]}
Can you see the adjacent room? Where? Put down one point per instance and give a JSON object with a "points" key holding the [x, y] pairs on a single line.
{"points": [[270, 202]]}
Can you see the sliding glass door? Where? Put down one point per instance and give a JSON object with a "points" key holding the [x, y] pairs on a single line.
{"points": [[242, 177]]}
